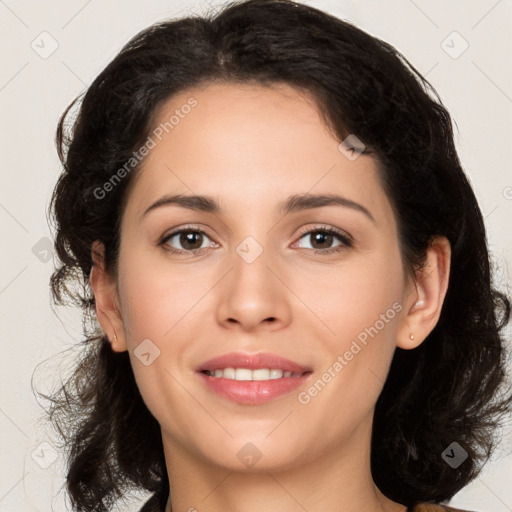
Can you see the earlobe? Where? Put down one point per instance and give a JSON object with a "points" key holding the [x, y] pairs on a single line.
{"points": [[425, 297], [104, 288]]}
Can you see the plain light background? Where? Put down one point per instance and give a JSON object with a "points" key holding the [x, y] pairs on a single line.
{"points": [[52, 50]]}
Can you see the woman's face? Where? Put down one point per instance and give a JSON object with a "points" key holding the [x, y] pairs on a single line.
{"points": [[265, 277]]}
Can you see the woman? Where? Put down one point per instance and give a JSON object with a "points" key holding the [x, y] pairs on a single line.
{"points": [[289, 271]]}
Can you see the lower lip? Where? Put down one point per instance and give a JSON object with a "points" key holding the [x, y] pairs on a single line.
{"points": [[253, 391]]}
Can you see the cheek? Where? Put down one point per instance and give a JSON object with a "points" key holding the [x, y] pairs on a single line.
{"points": [[157, 311], [155, 298], [347, 300], [369, 306], [359, 307]]}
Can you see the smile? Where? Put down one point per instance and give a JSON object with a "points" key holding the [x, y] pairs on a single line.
{"points": [[252, 379], [260, 374]]}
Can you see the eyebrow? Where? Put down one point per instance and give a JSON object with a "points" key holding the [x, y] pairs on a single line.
{"points": [[294, 203]]}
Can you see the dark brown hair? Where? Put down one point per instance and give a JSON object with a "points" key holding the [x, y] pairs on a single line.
{"points": [[446, 390]]}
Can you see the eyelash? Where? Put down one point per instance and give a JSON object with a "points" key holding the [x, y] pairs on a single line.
{"points": [[347, 240]]}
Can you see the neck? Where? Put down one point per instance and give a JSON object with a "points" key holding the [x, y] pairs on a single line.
{"points": [[339, 479]]}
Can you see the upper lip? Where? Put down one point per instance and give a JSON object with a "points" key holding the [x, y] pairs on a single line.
{"points": [[252, 362]]}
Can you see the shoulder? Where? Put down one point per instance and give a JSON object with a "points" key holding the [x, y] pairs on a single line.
{"points": [[434, 507]]}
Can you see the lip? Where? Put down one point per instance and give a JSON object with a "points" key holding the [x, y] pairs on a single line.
{"points": [[252, 362], [252, 392]]}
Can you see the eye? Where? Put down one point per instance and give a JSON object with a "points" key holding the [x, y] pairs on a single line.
{"points": [[192, 240], [322, 238]]}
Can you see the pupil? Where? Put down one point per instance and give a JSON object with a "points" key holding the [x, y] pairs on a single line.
{"points": [[188, 238], [324, 236]]}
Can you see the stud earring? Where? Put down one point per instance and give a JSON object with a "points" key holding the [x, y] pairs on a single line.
{"points": [[115, 336], [411, 336]]}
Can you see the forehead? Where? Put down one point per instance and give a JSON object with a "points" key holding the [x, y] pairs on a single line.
{"points": [[250, 145]]}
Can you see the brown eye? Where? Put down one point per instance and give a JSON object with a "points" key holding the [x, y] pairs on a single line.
{"points": [[322, 239], [186, 240], [190, 240]]}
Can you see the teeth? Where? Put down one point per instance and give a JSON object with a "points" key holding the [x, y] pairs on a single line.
{"points": [[228, 373], [243, 374], [247, 374], [263, 374]]}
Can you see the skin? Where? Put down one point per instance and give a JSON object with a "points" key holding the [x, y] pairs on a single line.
{"points": [[251, 147]]}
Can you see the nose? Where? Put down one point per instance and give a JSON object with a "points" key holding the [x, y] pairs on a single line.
{"points": [[254, 295]]}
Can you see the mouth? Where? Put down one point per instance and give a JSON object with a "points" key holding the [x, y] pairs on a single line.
{"points": [[252, 379], [260, 374]]}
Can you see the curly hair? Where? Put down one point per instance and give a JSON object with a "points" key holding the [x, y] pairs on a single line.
{"points": [[449, 389]]}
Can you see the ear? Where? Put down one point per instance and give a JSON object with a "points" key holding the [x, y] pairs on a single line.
{"points": [[425, 295], [106, 298]]}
